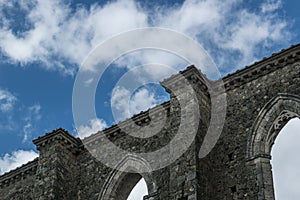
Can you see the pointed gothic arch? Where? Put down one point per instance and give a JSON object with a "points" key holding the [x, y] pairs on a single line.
{"points": [[124, 177], [271, 119]]}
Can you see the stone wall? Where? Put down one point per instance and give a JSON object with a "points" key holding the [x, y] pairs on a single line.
{"points": [[260, 99], [19, 183]]}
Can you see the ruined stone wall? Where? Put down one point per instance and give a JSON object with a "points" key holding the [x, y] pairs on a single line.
{"points": [[260, 100], [231, 174], [19, 183]]}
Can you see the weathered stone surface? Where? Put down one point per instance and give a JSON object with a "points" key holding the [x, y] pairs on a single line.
{"points": [[260, 100]]}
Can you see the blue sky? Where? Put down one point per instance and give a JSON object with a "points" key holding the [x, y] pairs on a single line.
{"points": [[43, 43]]}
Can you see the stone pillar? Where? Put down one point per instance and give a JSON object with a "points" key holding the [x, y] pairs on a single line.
{"points": [[56, 172], [189, 107], [264, 178]]}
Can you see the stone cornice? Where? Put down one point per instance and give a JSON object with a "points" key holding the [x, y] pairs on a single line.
{"points": [[231, 81], [59, 135], [138, 119], [19, 173], [263, 67], [190, 74]]}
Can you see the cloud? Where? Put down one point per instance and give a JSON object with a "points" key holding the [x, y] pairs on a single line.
{"points": [[94, 126], [7, 104], [194, 17], [271, 5], [31, 118], [7, 100], [18, 117], [61, 36], [250, 34], [68, 36], [120, 103], [285, 161], [234, 35], [143, 64], [15, 159], [125, 104], [141, 100], [32, 44]]}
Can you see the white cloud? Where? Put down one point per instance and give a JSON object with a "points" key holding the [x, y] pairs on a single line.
{"points": [[56, 31], [194, 16], [149, 57], [32, 117], [271, 5], [141, 100], [94, 126], [125, 104], [233, 34], [120, 103], [7, 100], [286, 161], [17, 117], [15, 159], [250, 33], [34, 44]]}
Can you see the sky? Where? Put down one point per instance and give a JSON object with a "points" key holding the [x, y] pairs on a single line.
{"points": [[44, 42], [285, 162]]}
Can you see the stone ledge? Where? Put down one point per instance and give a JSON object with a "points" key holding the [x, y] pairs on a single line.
{"points": [[190, 74], [231, 81], [60, 135], [263, 67], [19, 173], [138, 119]]}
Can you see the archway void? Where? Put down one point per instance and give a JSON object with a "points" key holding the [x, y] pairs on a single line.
{"points": [[139, 191], [131, 186], [286, 162]]}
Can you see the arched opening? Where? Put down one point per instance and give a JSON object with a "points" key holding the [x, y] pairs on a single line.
{"points": [[131, 187], [125, 182], [267, 126], [139, 191], [286, 161], [125, 186]]}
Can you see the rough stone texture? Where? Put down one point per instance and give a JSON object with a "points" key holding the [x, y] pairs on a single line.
{"points": [[260, 100], [19, 183]]}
